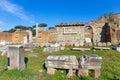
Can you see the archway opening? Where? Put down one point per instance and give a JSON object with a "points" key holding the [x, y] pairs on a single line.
{"points": [[88, 30]]}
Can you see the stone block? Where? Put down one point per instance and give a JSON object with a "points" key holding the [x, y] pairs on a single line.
{"points": [[89, 62], [92, 61], [70, 73], [87, 40], [104, 44], [90, 44], [50, 71], [96, 73], [81, 43], [61, 62], [15, 54], [86, 44], [76, 44], [82, 72], [95, 44], [108, 43], [99, 44]]}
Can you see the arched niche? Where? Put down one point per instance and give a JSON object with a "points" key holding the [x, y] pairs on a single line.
{"points": [[88, 31]]}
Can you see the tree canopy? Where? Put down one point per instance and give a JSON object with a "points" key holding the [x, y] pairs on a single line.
{"points": [[42, 25]]}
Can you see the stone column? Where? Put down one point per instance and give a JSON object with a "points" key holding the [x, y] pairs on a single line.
{"points": [[36, 32], [30, 35]]}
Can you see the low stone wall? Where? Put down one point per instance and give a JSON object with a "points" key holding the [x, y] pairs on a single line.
{"points": [[76, 44]]}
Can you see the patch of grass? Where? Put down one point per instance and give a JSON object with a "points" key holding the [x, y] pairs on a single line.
{"points": [[110, 66]]}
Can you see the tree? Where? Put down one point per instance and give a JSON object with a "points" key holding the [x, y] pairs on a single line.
{"points": [[12, 30], [30, 28], [42, 25], [19, 27], [51, 27]]}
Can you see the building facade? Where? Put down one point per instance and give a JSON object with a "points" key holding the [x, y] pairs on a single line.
{"points": [[15, 37], [46, 35]]}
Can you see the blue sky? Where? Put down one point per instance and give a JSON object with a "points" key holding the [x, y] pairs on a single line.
{"points": [[52, 12]]}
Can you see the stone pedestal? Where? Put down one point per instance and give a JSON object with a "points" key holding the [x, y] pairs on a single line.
{"points": [[82, 72], [96, 73], [50, 70], [15, 57], [89, 62], [70, 73]]}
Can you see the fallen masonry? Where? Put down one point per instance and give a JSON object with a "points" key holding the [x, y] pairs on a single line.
{"points": [[81, 49], [70, 63], [89, 62], [102, 48], [61, 62]]}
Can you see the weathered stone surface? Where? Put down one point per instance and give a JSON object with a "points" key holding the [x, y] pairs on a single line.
{"points": [[50, 70], [81, 43], [99, 44], [86, 44], [87, 62], [95, 44], [96, 73], [15, 54], [87, 40], [108, 43], [104, 44], [81, 49], [62, 43], [90, 44], [82, 72], [51, 49], [90, 61], [76, 44], [68, 43], [102, 48], [70, 73], [63, 62], [54, 44]]}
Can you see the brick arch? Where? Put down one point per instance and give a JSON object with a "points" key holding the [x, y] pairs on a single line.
{"points": [[89, 33]]}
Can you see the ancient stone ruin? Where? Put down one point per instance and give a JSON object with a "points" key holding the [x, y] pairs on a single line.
{"points": [[69, 62], [61, 62], [89, 62], [15, 54], [53, 47]]}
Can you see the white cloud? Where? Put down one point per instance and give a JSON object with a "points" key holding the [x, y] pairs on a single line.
{"points": [[14, 9]]}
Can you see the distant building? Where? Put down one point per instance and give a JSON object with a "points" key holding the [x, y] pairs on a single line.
{"points": [[48, 35], [15, 37], [70, 32]]}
